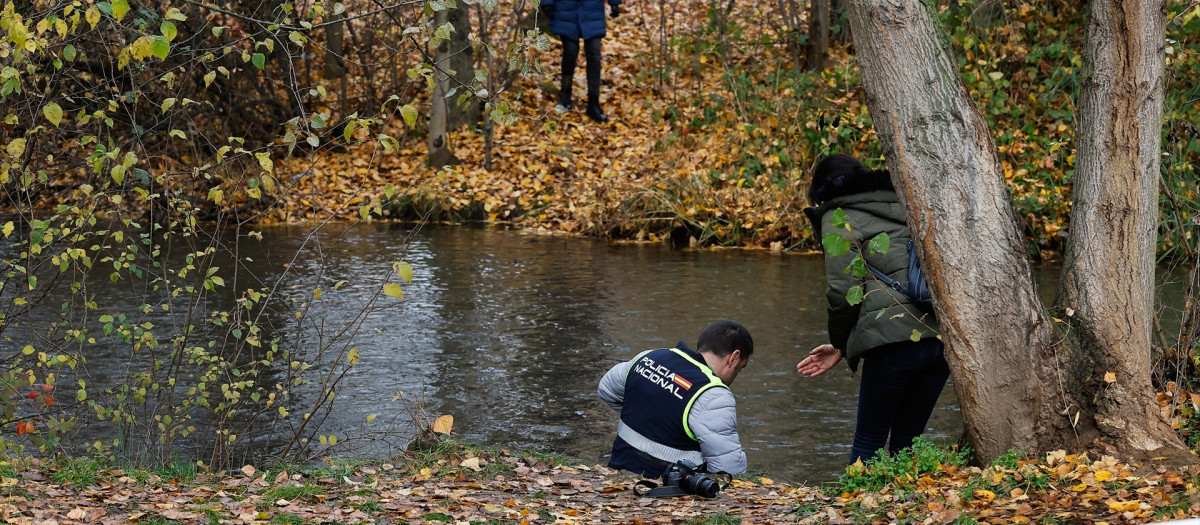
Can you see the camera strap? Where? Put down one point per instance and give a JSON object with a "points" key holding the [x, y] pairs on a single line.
{"points": [[650, 489]]}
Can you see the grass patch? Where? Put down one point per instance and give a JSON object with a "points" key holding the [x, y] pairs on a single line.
{"points": [[716, 519], [215, 518], [900, 470], [292, 492], [156, 520], [81, 472], [8, 469], [370, 507], [551, 458], [806, 510], [446, 457], [288, 518], [179, 470], [336, 468]]}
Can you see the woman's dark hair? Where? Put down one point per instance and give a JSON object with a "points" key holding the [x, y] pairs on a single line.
{"points": [[723, 337], [840, 175]]}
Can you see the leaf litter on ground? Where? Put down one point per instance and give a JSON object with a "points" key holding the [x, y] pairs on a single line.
{"points": [[522, 489]]}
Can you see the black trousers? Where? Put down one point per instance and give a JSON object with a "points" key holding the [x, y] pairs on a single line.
{"points": [[900, 386], [591, 50]]}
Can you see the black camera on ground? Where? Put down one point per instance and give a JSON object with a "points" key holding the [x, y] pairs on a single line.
{"points": [[686, 476]]}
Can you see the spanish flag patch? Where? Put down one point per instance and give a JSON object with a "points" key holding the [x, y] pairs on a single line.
{"points": [[679, 380]]}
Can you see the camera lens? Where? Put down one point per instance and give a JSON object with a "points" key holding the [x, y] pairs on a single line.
{"points": [[700, 485]]}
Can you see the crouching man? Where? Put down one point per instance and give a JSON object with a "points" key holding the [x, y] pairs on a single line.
{"points": [[675, 404]]}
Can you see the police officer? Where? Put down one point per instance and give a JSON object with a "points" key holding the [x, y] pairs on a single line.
{"points": [[680, 407]]}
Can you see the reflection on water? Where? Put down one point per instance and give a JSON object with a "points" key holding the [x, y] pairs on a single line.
{"points": [[510, 333]]}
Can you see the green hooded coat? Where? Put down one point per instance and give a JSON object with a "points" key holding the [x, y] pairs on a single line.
{"points": [[884, 316]]}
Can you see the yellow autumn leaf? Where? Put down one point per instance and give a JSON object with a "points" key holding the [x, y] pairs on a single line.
{"points": [[443, 425], [1110, 377], [1122, 506], [119, 8], [394, 290], [986, 495], [1104, 475], [1080, 487], [53, 113], [265, 162], [404, 271]]}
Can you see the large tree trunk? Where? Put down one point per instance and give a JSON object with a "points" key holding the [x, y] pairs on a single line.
{"points": [[816, 53], [1000, 344], [463, 109], [1108, 280], [440, 153]]}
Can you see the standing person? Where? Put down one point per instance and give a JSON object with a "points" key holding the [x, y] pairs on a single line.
{"points": [[901, 378], [572, 20], [680, 407]]}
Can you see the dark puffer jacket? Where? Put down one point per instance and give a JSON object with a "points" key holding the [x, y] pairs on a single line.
{"points": [[577, 19], [884, 316]]}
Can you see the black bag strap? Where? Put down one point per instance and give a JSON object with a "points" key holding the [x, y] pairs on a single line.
{"points": [[915, 290], [884, 277]]}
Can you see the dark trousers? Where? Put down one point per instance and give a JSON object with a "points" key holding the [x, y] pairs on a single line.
{"points": [[901, 383], [591, 50]]}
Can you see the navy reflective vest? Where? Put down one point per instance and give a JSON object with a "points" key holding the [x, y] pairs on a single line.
{"points": [[659, 391]]}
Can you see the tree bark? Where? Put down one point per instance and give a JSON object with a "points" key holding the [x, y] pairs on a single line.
{"points": [[1107, 286], [440, 153], [789, 11], [839, 24], [1000, 344], [335, 49], [463, 109], [816, 53]]}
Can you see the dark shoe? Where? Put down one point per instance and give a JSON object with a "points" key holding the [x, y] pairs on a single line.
{"points": [[595, 113], [565, 105], [564, 93]]}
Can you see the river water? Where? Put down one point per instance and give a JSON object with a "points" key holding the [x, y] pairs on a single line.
{"points": [[510, 332]]}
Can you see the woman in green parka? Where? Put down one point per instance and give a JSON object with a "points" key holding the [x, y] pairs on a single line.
{"points": [[903, 361]]}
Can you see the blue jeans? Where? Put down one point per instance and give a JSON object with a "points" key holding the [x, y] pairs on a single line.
{"points": [[901, 383]]}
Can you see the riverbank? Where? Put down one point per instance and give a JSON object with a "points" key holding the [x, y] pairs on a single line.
{"points": [[470, 485], [711, 144]]}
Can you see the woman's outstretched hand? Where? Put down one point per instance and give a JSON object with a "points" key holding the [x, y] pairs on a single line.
{"points": [[819, 360]]}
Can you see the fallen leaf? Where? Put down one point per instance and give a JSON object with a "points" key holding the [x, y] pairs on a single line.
{"points": [[472, 463], [443, 425]]}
